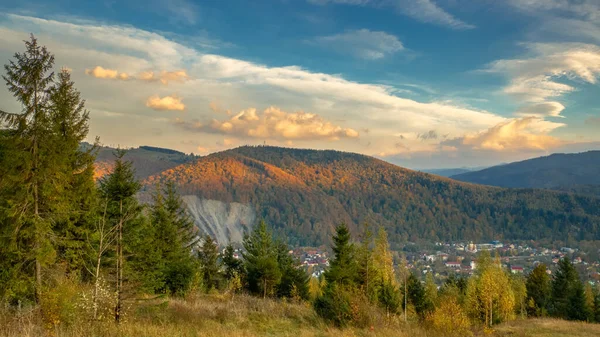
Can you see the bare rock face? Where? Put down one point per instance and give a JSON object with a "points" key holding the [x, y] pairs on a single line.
{"points": [[223, 221]]}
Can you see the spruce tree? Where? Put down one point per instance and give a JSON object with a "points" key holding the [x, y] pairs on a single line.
{"points": [[73, 176], [343, 267], [233, 266], [27, 194], [577, 307], [294, 280], [418, 297], [123, 212], [209, 263], [538, 290], [563, 282], [260, 261]]}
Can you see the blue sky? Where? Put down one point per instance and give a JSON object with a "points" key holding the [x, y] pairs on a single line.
{"points": [[420, 83]]}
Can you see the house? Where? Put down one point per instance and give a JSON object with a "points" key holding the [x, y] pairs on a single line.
{"points": [[455, 265], [516, 269]]}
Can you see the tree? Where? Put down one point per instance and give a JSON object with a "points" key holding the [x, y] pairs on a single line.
{"points": [[294, 280], [73, 173], [417, 297], [365, 265], [233, 266], [119, 189], [209, 263], [28, 195], [563, 281], [343, 267], [431, 291], [577, 307], [538, 290], [519, 289], [260, 261]]}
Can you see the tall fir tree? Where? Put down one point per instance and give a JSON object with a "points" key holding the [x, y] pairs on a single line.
{"points": [[294, 280], [538, 290], [563, 281], [27, 193], [343, 268], [73, 176], [260, 261], [209, 263], [233, 265], [124, 213]]}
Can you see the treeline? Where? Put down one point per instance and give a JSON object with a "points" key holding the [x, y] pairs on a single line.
{"points": [[362, 277]]}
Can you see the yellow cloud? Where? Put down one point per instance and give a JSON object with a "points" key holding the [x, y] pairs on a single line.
{"points": [[148, 76], [171, 102], [100, 72], [529, 133], [273, 123]]}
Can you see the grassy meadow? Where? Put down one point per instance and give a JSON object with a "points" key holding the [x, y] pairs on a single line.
{"points": [[222, 315]]}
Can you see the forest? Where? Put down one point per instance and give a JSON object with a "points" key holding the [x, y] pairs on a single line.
{"points": [[76, 252]]}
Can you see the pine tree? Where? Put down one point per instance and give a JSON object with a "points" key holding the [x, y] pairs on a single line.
{"points": [[260, 261], [577, 307], [233, 266], [365, 267], [209, 263], [73, 176], [27, 194], [539, 290], [343, 267], [294, 280], [563, 281], [123, 212], [417, 297]]}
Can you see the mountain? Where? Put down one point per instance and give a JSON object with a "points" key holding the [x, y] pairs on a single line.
{"points": [[577, 172], [303, 194], [447, 172], [147, 160]]}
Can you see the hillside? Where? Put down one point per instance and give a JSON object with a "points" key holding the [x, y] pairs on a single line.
{"points": [[146, 159], [447, 172], [303, 194], [578, 172]]}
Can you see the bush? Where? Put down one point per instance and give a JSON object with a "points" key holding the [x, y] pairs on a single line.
{"points": [[449, 318], [335, 306]]}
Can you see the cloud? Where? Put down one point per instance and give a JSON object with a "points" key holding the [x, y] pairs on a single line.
{"points": [[362, 43], [100, 72], [170, 103], [426, 11], [529, 133], [536, 78], [148, 76], [431, 134], [273, 123], [550, 109]]}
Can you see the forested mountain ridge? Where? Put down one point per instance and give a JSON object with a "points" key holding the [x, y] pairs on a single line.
{"points": [[304, 193], [147, 160], [575, 172]]}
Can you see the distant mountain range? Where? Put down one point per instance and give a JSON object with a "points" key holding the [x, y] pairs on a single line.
{"points": [[448, 172], [576, 172], [303, 194]]}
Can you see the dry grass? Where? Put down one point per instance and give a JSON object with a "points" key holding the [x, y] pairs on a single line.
{"points": [[217, 315]]}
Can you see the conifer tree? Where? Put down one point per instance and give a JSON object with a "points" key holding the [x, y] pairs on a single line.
{"points": [[73, 176], [294, 280], [260, 261], [209, 263], [233, 266], [123, 212], [342, 267], [563, 282], [577, 307], [365, 266], [538, 290], [27, 194], [417, 296]]}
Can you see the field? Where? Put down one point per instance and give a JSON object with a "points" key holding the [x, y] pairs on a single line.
{"points": [[217, 315]]}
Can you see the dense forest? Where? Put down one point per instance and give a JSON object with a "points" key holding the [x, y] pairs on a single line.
{"points": [[305, 193]]}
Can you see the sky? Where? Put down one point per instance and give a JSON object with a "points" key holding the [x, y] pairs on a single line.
{"points": [[419, 83]]}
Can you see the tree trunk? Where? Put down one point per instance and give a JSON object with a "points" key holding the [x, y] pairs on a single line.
{"points": [[119, 265], [36, 209], [97, 278]]}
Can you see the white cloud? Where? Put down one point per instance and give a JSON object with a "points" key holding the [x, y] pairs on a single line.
{"points": [[529, 133], [273, 123], [172, 103], [426, 11], [550, 109], [362, 43], [536, 78]]}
